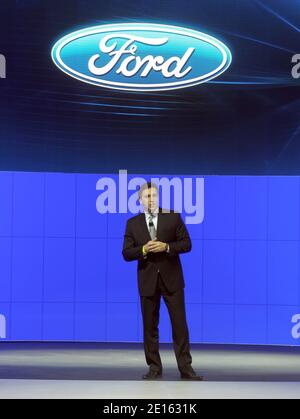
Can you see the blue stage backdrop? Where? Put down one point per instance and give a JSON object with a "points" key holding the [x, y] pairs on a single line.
{"points": [[62, 275]]}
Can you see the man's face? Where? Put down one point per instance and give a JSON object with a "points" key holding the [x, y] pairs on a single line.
{"points": [[149, 199]]}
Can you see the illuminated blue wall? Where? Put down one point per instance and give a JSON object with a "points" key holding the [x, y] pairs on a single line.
{"points": [[62, 275]]}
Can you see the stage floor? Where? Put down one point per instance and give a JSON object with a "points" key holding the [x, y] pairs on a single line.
{"points": [[114, 370]]}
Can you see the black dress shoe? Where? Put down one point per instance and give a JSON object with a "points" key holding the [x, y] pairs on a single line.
{"points": [[152, 375], [191, 375]]}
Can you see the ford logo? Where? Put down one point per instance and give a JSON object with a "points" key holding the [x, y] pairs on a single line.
{"points": [[141, 57]]}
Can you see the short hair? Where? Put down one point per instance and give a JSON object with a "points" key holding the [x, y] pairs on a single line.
{"points": [[145, 186]]}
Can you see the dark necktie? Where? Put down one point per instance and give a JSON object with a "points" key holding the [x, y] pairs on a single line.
{"points": [[152, 229]]}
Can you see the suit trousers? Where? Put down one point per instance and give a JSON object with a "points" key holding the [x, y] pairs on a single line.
{"points": [[150, 312]]}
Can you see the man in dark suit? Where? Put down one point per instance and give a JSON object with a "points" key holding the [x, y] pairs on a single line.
{"points": [[155, 238]]}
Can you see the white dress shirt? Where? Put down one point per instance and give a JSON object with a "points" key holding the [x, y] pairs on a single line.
{"points": [[155, 218]]}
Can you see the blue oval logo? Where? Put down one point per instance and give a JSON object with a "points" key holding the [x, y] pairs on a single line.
{"points": [[141, 57]]}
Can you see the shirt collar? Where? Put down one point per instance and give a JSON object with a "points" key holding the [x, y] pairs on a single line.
{"points": [[154, 213]]}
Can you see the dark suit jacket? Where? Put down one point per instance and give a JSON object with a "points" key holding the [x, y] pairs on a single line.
{"points": [[170, 229]]}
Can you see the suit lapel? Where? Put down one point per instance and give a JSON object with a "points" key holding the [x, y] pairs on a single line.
{"points": [[159, 221], [144, 228]]}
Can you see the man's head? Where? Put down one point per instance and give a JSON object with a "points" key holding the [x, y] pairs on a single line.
{"points": [[148, 196]]}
